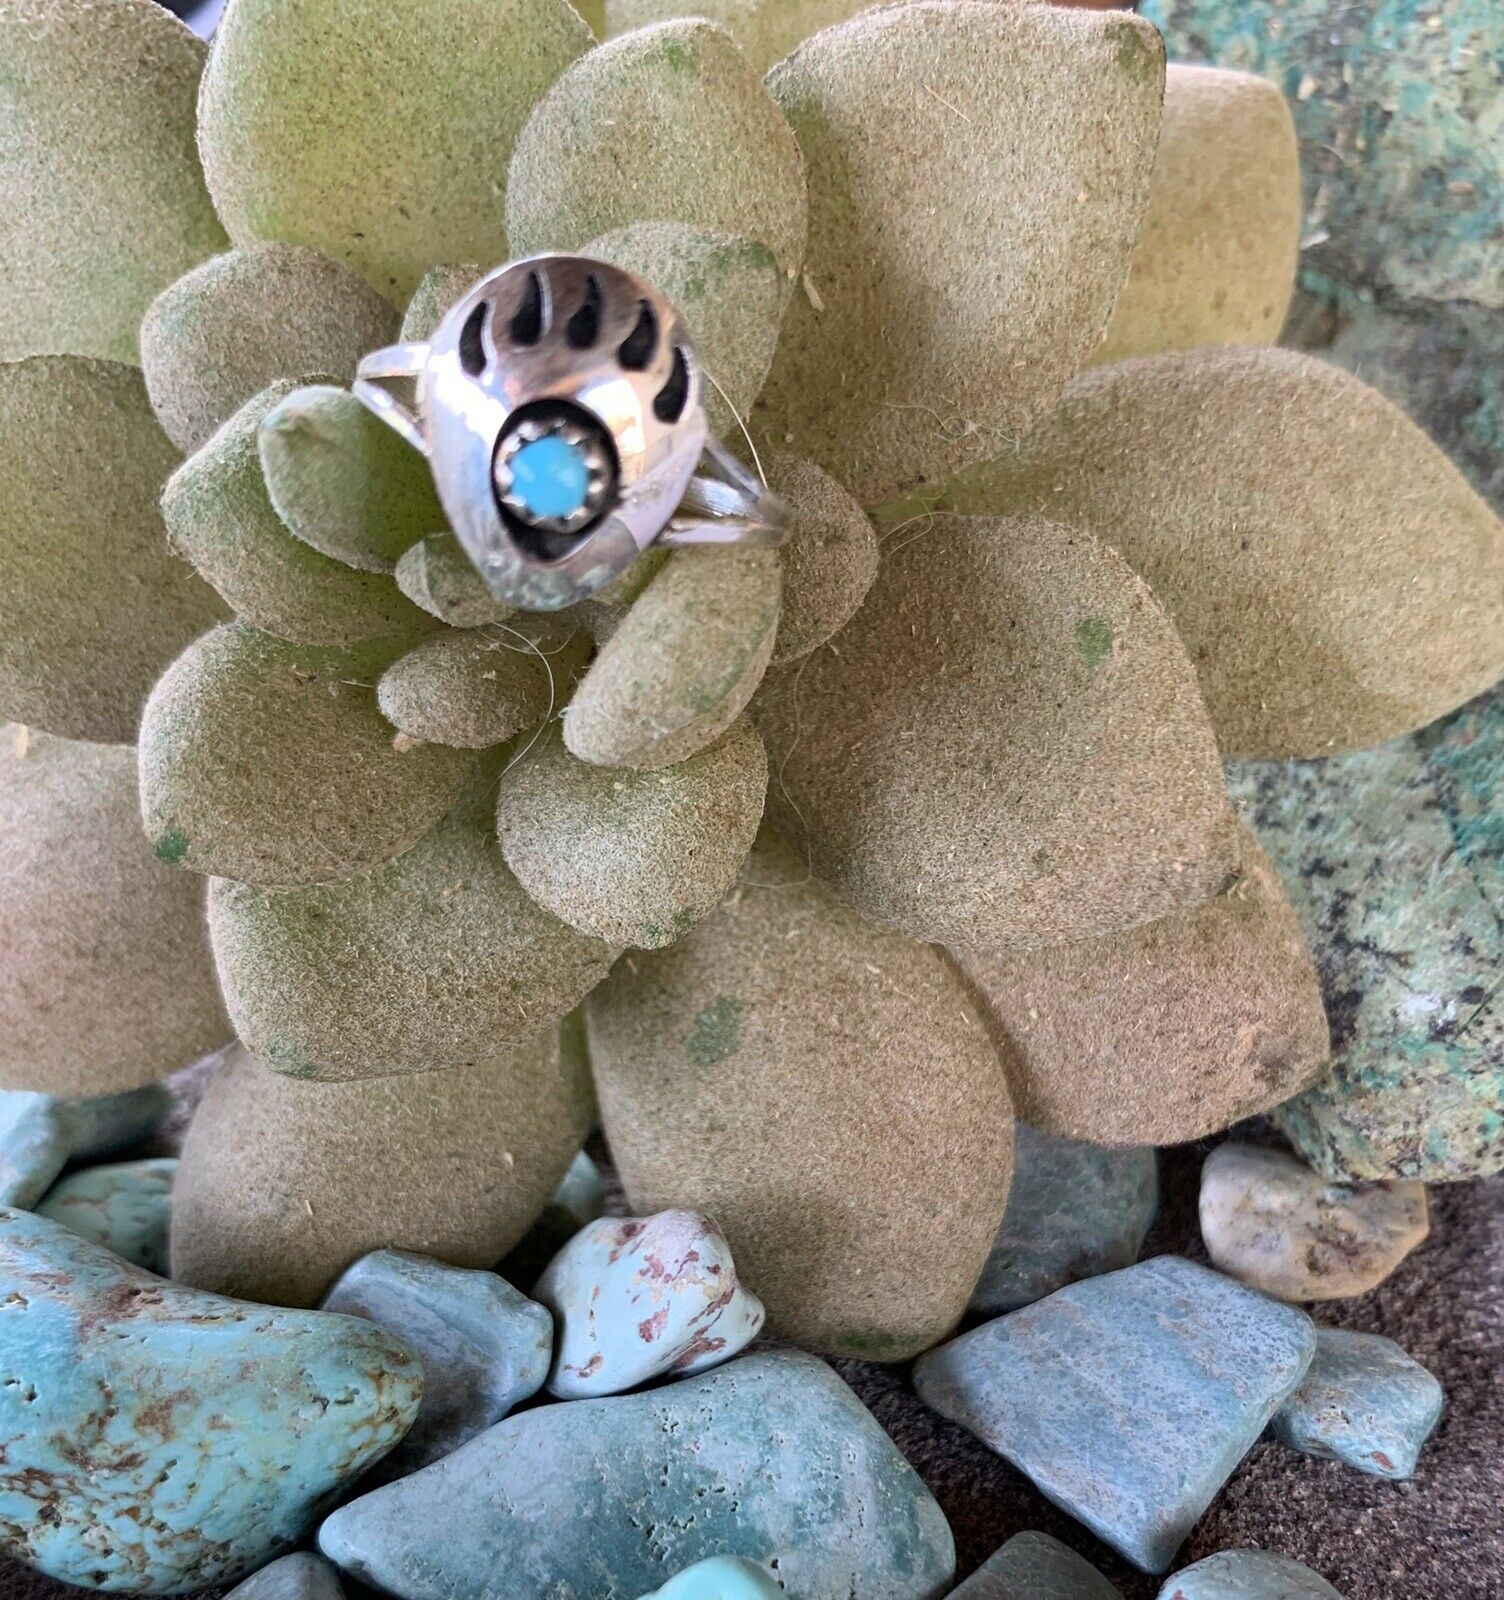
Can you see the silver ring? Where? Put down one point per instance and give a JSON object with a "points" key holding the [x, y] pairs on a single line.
{"points": [[559, 405]]}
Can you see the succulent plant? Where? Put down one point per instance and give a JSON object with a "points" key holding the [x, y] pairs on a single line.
{"points": [[876, 836]]}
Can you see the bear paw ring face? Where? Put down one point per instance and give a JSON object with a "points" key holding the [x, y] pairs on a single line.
{"points": [[559, 406]]}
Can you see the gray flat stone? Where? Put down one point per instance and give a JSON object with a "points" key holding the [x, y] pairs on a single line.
{"points": [[300, 1576], [1248, 1575], [769, 1457], [1033, 1566], [484, 1346], [1075, 1211], [1128, 1399]]}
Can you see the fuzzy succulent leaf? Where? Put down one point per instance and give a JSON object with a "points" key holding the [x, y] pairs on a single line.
{"points": [[102, 202], [634, 858], [1006, 745], [433, 961], [220, 518], [93, 604], [438, 576], [440, 288], [243, 320], [342, 481], [1216, 259], [106, 983], [682, 663], [271, 764], [765, 30], [729, 292], [978, 174], [1332, 574], [667, 124], [378, 133]]}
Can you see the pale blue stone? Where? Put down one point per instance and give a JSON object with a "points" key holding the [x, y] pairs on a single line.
{"points": [[1129, 1399], [580, 1198], [1394, 861], [484, 1347], [300, 1576], [33, 1146], [126, 1209], [720, 1578], [550, 477], [639, 1298], [40, 1134], [1075, 1211], [1033, 1566], [1363, 1402], [160, 1439], [770, 1457], [1248, 1575]]}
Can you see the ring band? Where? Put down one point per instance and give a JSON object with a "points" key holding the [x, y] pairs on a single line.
{"points": [[559, 406]]}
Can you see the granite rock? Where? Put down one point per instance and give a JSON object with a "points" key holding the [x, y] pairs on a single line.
{"points": [[1394, 859], [644, 1298], [770, 1457], [300, 1576], [1279, 1227], [720, 1578], [1128, 1399], [1248, 1575], [125, 1209], [1075, 1211], [1363, 1402], [161, 1439], [484, 1347], [1033, 1566]]}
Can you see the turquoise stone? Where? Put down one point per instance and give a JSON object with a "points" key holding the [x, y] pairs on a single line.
{"points": [[1075, 1211], [1248, 1575], [160, 1439], [484, 1347], [40, 1135], [720, 1578], [1394, 861], [1129, 1399], [1033, 1566], [126, 1209], [770, 1457], [1363, 1402], [640, 1298], [550, 477]]}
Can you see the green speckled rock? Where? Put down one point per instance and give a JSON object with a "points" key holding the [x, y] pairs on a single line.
{"points": [[159, 1439], [1248, 1575], [125, 1209], [770, 1457], [1403, 189], [1394, 859], [220, 518], [1033, 1566], [342, 481], [300, 1576]]}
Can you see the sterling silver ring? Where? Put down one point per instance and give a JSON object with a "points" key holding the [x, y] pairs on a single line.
{"points": [[559, 405]]}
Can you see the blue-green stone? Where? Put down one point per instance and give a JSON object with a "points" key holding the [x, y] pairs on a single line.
{"points": [[1075, 1211], [40, 1134], [1363, 1402], [770, 1457], [125, 1209], [160, 1439], [484, 1347], [1128, 1399], [1033, 1566], [1404, 193], [1248, 1575], [1394, 860]]}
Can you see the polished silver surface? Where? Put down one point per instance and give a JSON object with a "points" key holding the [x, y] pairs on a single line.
{"points": [[605, 361]]}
